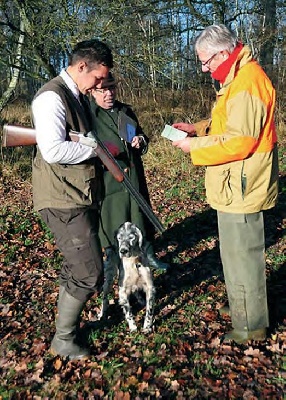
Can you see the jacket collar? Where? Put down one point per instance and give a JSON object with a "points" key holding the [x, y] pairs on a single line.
{"points": [[243, 58]]}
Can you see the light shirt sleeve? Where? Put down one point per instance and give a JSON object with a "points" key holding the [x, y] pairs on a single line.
{"points": [[50, 123]]}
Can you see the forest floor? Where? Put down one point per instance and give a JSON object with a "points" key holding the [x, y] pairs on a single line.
{"points": [[185, 356]]}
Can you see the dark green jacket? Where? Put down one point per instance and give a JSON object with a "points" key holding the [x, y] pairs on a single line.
{"points": [[118, 205]]}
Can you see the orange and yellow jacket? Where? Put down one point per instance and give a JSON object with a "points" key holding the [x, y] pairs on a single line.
{"points": [[239, 149]]}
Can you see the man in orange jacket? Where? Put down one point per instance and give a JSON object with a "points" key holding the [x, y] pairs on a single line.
{"points": [[238, 147]]}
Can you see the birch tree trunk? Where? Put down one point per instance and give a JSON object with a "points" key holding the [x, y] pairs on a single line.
{"points": [[16, 65]]}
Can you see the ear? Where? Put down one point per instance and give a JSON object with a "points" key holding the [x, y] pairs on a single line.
{"points": [[81, 66], [115, 235], [140, 236], [225, 54]]}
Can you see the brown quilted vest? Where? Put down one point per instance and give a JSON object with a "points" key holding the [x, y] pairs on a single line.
{"points": [[66, 185]]}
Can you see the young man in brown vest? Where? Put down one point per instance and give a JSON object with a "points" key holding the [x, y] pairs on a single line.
{"points": [[66, 185]]}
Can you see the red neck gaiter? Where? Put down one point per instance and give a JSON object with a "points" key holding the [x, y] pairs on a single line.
{"points": [[222, 71]]}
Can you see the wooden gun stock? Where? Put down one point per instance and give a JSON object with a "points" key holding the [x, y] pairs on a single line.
{"points": [[14, 135]]}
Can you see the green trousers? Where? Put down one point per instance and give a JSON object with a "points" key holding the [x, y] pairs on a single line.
{"points": [[242, 248]]}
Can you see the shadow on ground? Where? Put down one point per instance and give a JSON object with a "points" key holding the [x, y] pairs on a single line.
{"points": [[184, 237]]}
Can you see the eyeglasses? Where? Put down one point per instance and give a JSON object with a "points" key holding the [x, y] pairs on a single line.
{"points": [[104, 90], [207, 63]]}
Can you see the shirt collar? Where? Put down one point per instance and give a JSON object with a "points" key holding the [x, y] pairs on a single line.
{"points": [[70, 83]]}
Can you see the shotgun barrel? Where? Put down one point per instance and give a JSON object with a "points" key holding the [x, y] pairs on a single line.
{"points": [[14, 135]]}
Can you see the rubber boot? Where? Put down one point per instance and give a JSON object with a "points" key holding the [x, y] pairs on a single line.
{"points": [[61, 291], [242, 337], [152, 260], [64, 342], [247, 324], [224, 310]]}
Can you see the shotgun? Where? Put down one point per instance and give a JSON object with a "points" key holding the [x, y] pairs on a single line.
{"points": [[14, 135]]}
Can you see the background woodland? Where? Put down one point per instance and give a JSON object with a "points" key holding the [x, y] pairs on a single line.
{"points": [[185, 357], [152, 42]]}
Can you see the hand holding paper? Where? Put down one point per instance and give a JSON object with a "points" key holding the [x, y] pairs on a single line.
{"points": [[172, 133], [183, 126], [183, 144], [136, 142]]}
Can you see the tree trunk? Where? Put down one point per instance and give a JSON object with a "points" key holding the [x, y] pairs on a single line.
{"points": [[16, 66], [269, 36]]}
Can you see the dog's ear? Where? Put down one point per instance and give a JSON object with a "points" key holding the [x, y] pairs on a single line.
{"points": [[115, 241], [140, 236]]}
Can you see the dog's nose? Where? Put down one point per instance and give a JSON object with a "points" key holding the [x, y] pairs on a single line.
{"points": [[123, 251]]}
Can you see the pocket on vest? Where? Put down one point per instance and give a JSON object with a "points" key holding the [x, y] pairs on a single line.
{"points": [[79, 184]]}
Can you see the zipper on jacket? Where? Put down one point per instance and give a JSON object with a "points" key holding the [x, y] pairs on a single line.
{"points": [[243, 181]]}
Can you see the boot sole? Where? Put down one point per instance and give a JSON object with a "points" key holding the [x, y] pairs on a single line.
{"points": [[55, 354], [240, 340]]}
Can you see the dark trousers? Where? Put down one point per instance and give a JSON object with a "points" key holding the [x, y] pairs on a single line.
{"points": [[76, 235]]}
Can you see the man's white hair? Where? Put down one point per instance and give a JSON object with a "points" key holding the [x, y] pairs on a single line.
{"points": [[216, 38]]}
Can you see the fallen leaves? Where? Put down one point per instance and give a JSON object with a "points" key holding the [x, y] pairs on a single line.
{"points": [[184, 358]]}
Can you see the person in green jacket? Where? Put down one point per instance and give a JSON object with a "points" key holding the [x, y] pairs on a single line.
{"points": [[116, 123]]}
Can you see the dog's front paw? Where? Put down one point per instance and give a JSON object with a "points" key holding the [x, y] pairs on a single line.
{"points": [[147, 327], [132, 326]]}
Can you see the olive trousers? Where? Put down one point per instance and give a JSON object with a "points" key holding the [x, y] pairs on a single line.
{"points": [[242, 248]]}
